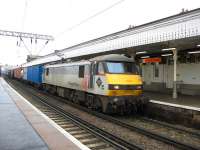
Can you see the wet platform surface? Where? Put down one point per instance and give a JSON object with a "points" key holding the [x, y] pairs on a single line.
{"points": [[186, 100], [23, 128]]}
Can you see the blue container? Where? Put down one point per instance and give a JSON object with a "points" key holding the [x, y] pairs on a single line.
{"points": [[34, 74]]}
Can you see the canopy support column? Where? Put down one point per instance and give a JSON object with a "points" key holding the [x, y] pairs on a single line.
{"points": [[175, 70]]}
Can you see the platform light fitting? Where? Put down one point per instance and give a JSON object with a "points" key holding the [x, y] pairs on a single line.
{"points": [[143, 52], [145, 56], [198, 45], [166, 55], [194, 52], [168, 49]]}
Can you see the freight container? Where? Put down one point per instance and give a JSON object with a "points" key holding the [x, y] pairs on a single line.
{"points": [[34, 74]]}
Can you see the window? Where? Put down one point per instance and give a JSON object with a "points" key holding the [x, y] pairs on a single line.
{"points": [[156, 70], [121, 67], [81, 71], [115, 67], [87, 69], [47, 71], [100, 69]]}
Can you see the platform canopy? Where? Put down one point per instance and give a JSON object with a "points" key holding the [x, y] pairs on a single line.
{"points": [[181, 31]]}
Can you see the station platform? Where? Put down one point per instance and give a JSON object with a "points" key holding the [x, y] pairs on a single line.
{"points": [[186, 101], [24, 127]]}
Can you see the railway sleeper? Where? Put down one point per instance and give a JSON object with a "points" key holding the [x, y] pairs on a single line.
{"points": [[89, 140], [83, 136], [98, 145], [78, 132]]}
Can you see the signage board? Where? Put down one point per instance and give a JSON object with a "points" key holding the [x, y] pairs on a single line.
{"points": [[151, 60]]}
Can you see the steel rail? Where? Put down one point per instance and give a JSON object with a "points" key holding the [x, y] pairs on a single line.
{"points": [[113, 140], [140, 130], [197, 134]]}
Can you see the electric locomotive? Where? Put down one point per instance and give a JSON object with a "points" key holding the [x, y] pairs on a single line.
{"points": [[109, 83]]}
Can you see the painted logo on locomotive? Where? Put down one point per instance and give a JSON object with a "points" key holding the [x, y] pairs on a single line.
{"points": [[99, 82]]}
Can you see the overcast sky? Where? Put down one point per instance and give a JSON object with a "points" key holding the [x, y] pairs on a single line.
{"points": [[56, 17]]}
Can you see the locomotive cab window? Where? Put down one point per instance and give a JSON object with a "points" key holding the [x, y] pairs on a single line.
{"points": [[100, 69], [47, 71], [81, 71], [122, 67]]}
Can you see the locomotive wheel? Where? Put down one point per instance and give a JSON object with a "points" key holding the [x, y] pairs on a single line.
{"points": [[75, 99], [128, 109], [122, 110], [89, 101], [98, 105], [71, 96], [108, 109], [134, 109]]}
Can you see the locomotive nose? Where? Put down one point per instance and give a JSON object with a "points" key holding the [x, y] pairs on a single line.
{"points": [[124, 85], [123, 79]]}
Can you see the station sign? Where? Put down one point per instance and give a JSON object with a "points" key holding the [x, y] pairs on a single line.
{"points": [[151, 60]]}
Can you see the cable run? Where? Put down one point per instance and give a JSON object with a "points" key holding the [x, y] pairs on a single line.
{"points": [[89, 18], [25, 46], [83, 21]]}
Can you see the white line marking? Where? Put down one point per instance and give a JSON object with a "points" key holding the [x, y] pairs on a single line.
{"points": [[175, 105], [66, 134]]}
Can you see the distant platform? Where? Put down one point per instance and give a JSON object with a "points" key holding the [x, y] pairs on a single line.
{"points": [[183, 101], [24, 127]]}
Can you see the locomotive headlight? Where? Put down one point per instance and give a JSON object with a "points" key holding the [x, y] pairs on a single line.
{"points": [[138, 87], [116, 87], [115, 99]]}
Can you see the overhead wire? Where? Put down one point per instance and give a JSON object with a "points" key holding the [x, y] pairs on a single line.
{"points": [[42, 47], [22, 27], [85, 20], [25, 46], [90, 17]]}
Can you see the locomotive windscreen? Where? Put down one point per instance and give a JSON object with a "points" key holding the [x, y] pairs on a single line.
{"points": [[121, 67]]}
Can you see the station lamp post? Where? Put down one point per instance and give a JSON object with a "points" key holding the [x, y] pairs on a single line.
{"points": [[174, 50]]}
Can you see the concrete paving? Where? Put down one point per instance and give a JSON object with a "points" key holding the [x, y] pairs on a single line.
{"points": [[24, 127], [187, 100], [15, 131]]}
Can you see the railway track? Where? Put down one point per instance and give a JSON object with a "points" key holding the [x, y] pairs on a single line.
{"points": [[151, 134], [181, 129], [88, 134]]}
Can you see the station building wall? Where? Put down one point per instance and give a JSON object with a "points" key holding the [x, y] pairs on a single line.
{"points": [[159, 78]]}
